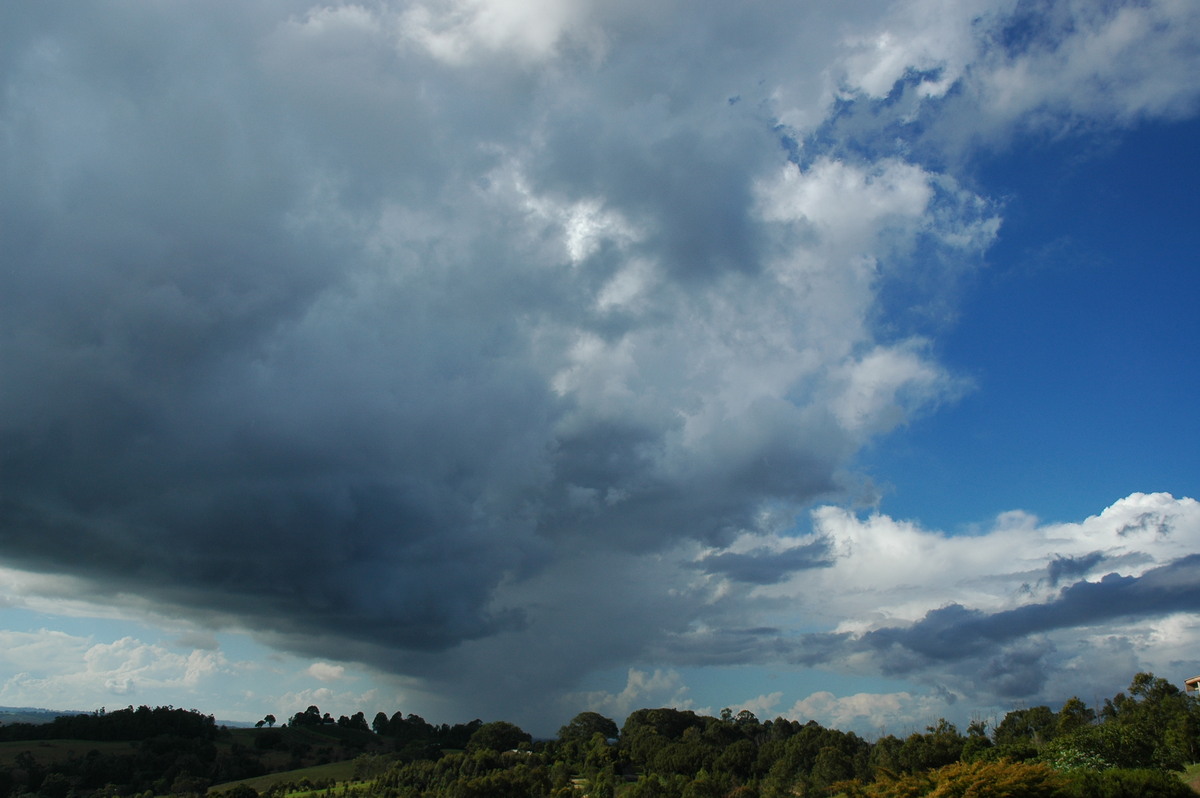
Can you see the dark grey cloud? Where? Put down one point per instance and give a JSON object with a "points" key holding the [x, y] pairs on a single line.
{"points": [[1001, 655], [1018, 671], [385, 350], [1144, 522], [285, 299], [1072, 566], [201, 403], [767, 566], [956, 632]]}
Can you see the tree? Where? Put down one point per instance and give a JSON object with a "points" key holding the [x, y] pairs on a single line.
{"points": [[603, 784], [1037, 725], [737, 759], [831, 765], [1126, 783], [56, 785], [269, 720], [942, 745], [978, 743], [240, 791], [498, 735], [309, 717], [1159, 716], [667, 722], [1074, 715], [586, 724], [1099, 747], [746, 718]]}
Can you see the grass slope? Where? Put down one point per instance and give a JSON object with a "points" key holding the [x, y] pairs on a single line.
{"points": [[45, 751], [334, 771], [1192, 777]]}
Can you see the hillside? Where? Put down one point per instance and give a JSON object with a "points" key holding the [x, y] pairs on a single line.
{"points": [[10, 715]]}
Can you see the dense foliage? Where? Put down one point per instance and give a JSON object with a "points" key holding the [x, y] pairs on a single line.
{"points": [[1130, 747], [124, 724]]}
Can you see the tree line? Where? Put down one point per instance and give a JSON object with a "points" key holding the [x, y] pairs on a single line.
{"points": [[123, 724], [1132, 745]]}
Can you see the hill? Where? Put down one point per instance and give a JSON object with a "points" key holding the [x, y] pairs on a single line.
{"points": [[10, 715]]}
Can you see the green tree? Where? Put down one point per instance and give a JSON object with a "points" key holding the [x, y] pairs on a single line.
{"points": [[309, 717], [707, 785], [685, 756], [667, 722], [746, 719], [1074, 715], [498, 735], [1125, 783], [652, 785], [1159, 715], [647, 733], [239, 791], [56, 785], [941, 745], [978, 744], [603, 784], [831, 766], [586, 724], [1099, 747], [1035, 725], [599, 755], [737, 759]]}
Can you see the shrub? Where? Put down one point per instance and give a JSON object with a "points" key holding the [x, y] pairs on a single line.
{"points": [[978, 779], [1130, 783], [1100, 747]]}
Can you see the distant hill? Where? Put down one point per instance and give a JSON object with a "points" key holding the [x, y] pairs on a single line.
{"points": [[10, 715], [33, 714]]}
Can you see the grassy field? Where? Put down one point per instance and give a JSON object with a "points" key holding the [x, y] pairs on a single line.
{"points": [[58, 750], [334, 771], [287, 748], [1192, 777]]}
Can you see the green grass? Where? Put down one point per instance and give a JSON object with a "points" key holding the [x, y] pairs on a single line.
{"points": [[1191, 776], [46, 751], [334, 771]]}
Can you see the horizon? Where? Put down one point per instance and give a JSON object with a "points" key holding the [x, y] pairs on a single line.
{"points": [[826, 362], [989, 724]]}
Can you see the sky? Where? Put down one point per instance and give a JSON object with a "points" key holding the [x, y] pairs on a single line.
{"points": [[506, 359]]}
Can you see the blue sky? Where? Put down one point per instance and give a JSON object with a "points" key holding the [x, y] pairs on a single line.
{"points": [[1078, 334], [482, 358]]}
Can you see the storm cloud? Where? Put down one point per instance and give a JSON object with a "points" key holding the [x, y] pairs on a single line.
{"points": [[764, 567], [429, 334], [289, 334], [956, 632]]}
